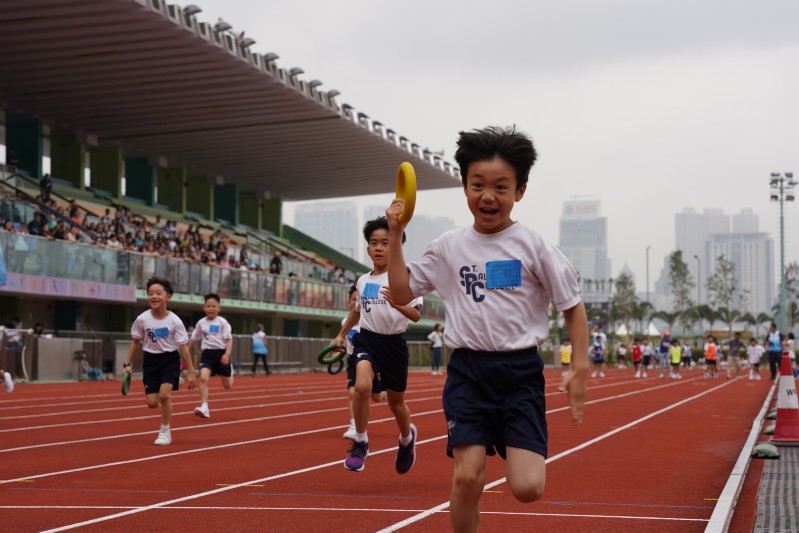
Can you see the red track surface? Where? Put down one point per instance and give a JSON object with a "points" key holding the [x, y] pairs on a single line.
{"points": [[652, 456]]}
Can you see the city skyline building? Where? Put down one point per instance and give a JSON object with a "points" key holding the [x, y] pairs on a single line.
{"points": [[334, 223], [584, 241]]}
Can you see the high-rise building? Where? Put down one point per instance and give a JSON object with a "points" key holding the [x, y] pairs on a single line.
{"points": [[753, 257], [333, 223], [703, 237], [584, 241]]}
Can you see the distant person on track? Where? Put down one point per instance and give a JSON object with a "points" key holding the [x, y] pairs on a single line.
{"points": [[774, 348], [565, 357], [664, 353], [8, 380], [635, 355], [711, 351], [259, 350], [436, 338], [621, 356], [754, 353], [735, 347], [496, 279], [381, 351], [789, 348], [164, 339], [675, 354], [598, 350], [215, 336], [646, 356]]}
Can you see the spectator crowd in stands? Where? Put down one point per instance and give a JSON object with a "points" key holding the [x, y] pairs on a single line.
{"points": [[124, 230]]}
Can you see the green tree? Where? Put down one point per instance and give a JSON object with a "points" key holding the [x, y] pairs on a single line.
{"points": [[749, 319], [624, 302], [705, 313], [722, 287], [641, 313], [762, 318], [667, 317], [681, 284]]}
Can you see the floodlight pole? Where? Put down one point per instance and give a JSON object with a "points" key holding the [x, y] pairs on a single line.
{"points": [[782, 185]]}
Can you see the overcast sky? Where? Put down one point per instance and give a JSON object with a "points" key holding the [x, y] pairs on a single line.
{"points": [[649, 106]]}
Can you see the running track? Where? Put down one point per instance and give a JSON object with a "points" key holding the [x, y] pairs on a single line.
{"points": [[652, 455]]}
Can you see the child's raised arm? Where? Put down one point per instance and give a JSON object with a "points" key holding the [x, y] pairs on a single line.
{"points": [[398, 278]]}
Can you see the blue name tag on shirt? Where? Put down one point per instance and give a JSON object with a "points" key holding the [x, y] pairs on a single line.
{"points": [[161, 333], [371, 290], [504, 274], [214, 328]]}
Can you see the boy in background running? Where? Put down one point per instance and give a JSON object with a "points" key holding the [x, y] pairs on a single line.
{"points": [[215, 336]]}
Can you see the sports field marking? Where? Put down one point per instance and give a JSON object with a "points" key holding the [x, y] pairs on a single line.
{"points": [[197, 426], [286, 474], [340, 509], [259, 419], [445, 505], [217, 400], [217, 447]]}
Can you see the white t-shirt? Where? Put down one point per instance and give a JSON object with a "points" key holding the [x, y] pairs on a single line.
{"points": [[496, 288], [159, 336], [646, 350], [350, 334], [377, 315], [437, 338], [214, 334], [754, 353]]}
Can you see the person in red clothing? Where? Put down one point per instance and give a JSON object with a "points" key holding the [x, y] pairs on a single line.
{"points": [[636, 356]]}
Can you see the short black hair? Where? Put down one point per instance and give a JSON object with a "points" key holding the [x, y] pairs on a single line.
{"points": [[212, 296], [514, 147], [375, 224], [352, 289], [165, 283]]}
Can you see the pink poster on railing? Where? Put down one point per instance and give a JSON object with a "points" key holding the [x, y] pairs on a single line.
{"points": [[68, 288]]}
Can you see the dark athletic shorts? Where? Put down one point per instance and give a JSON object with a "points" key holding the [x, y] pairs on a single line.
{"points": [[212, 360], [388, 355], [496, 399], [161, 368], [647, 360]]}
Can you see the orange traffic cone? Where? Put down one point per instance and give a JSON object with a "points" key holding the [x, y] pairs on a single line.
{"points": [[786, 431]]}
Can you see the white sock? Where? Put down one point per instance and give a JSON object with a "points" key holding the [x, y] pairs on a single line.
{"points": [[164, 427], [406, 440], [352, 422], [361, 437], [204, 405]]}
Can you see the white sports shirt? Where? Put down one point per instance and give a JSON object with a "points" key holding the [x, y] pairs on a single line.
{"points": [[214, 334], [377, 315], [496, 288], [159, 336]]}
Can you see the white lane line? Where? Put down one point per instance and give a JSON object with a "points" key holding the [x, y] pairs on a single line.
{"points": [[723, 511], [110, 517], [340, 509], [259, 419], [424, 514]]}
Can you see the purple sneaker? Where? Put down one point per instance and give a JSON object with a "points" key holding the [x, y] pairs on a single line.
{"points": [[406, 455], [356, 459]]}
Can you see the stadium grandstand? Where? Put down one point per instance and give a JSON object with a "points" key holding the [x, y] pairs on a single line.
{"points": [[138, 140]]}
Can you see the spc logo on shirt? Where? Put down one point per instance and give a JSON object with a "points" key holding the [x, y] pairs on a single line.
{"points": [[370, 296], [157, 333], [498, 275]]}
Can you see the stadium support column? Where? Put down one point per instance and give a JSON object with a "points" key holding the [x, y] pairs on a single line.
{"points": [[172, 188], [68, 158], [200, 197], [139, 180], [249, 210], [272, 215], [107, 165], [24, 136], [226, 204]]}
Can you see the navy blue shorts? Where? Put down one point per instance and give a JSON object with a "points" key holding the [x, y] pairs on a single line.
{"points": [[351, 362], [212, 360], [496, 399], [388, 355], [161, 368]]}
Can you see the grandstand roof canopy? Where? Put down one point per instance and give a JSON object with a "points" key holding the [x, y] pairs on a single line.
{"points": [[159, 82]]}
